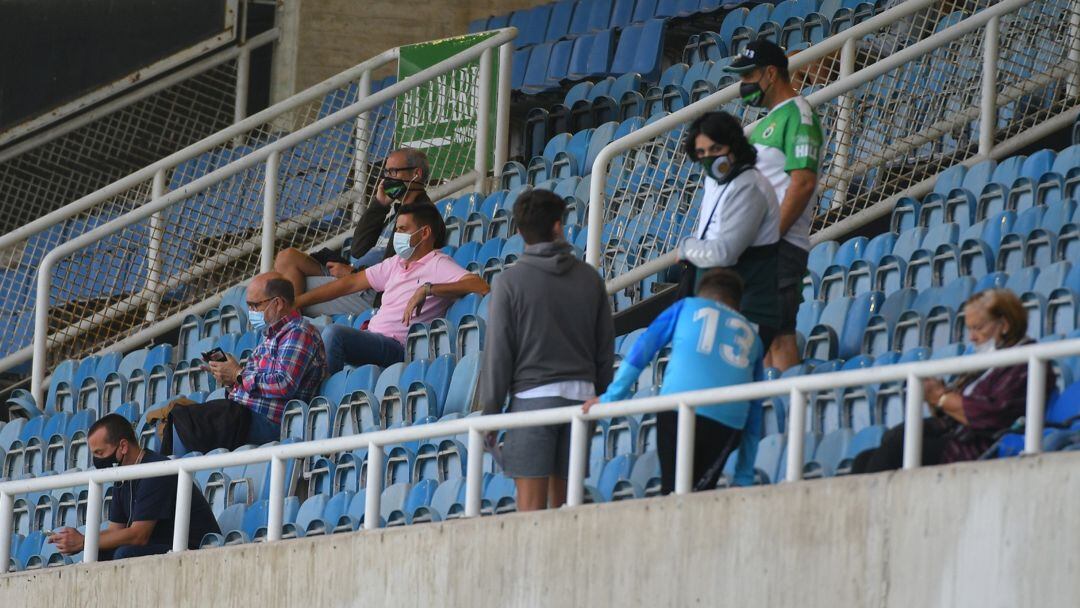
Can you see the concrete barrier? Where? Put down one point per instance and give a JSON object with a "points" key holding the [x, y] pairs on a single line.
{"points": [[987, 534]]}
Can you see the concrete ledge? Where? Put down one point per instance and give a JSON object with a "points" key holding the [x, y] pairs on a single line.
{"points": [[989, 534]]}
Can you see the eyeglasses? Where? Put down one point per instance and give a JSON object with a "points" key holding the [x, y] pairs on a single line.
{"points": [[390, 171], [254, 305]]}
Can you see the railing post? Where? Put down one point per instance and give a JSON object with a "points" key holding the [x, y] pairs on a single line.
{"points": [[94, 496], [363, 144], [988, 104], [1036, 406], [41, 331], [913, 423], [182, 519], [684, 451], [270, 199], [154, 251], [483, 124], [7, 510], [275, 516], [579, 456], [243, 78], [373, 499], [474, 478], [843, 124], [796, 435], [594, 249], [502, 108]]}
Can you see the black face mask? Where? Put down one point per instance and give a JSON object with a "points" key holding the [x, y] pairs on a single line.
{"points": [[394, 188], [752, 94], [108, 461]]}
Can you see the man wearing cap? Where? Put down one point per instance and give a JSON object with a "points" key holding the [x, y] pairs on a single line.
{"points": [[788, 142]]}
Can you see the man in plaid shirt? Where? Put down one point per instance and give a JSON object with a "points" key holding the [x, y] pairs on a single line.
{"points": [[290, 363]]}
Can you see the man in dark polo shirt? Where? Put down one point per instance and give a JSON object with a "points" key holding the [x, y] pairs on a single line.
{"points": [[405, 175], [142, 511]]}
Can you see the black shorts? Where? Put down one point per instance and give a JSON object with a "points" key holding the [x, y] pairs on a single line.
{"points": [[793, 261]]}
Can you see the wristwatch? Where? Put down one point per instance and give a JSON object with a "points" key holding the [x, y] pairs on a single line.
{"points": [[427, 290], [239, 379]]}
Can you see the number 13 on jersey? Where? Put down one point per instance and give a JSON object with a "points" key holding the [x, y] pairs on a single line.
{"points": [[736, 354]]}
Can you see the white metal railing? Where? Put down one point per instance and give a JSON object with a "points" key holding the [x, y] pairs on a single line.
{"points": [[114, 137], [879, 88], [367, 114], [1034, 356]]}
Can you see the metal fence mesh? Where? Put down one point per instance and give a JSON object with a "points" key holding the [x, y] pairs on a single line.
{"points": [[49, 176], [211, 240], [897, 130]]}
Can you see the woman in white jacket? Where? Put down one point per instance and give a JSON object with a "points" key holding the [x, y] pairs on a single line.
{"points": [[739, 222]]}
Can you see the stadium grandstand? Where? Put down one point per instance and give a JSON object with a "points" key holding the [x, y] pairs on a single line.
{"points": [[139, 200]]}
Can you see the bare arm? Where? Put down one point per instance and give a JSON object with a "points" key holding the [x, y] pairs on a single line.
{"points": [[335, 289], [802, 187], [470, 284]]}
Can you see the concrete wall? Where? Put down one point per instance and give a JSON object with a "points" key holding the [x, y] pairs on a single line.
{"points": [[323, 37], [988, 534]]}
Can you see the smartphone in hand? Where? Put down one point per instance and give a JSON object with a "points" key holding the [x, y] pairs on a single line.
{"points": [[216, 355]]}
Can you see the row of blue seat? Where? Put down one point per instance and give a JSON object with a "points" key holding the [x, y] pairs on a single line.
{"points": [[576, 18]]}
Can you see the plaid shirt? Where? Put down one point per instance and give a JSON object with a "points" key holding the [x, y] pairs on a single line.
{"points": [[290, 363]]}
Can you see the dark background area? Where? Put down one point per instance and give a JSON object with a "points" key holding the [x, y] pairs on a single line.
{"points": [[53, 51]]}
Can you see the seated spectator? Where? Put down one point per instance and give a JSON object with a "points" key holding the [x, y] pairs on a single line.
{"points": [[417, 285], [142, 512], [970, 411], [712, 345], [289, 363], [404, 176]]}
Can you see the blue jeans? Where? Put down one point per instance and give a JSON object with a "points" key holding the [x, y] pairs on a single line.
{"points": [[346, 345], [126, 551], [262, 430]]}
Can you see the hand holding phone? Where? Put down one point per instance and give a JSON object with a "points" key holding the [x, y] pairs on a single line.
{"points": [[216, 355]]}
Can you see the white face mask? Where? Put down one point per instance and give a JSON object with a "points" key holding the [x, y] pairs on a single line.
{"points": [[986, 347]]}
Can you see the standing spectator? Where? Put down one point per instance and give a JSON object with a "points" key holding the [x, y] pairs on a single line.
{"points": [[405, 175], [142, 511], [289, 363], [971, 411], [788, 142], [712, 346], [739, 223], [417, 285], [550, 343]]}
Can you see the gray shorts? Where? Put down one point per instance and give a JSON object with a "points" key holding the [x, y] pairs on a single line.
{"points": [[352, 304], [539, 451]]}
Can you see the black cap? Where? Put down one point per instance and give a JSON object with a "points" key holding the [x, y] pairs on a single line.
{"points": [[758, 54]]}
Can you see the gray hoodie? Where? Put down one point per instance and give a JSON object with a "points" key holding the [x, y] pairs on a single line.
{"points": [[549, 320]]}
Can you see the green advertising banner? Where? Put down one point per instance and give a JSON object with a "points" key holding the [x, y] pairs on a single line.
{"points": [[439, 117]]}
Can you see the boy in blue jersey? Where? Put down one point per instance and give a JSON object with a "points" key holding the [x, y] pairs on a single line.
{"points": [[712, 345]]}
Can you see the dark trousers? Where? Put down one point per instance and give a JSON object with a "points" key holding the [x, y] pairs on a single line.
{"points": [[126, 551], [889, 456], [713, 443]]}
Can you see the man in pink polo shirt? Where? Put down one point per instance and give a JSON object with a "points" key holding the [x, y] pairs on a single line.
{"points": [[418, 284]]}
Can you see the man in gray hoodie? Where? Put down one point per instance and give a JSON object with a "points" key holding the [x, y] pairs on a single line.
{"points": [[550, 343]]}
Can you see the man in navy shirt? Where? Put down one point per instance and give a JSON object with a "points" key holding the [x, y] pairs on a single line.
{"points": [[142, 511]]}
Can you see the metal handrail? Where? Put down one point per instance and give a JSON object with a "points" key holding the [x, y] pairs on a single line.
{"points": [[482, 51], [1035, 356], [988, 17], [204, 145]]}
